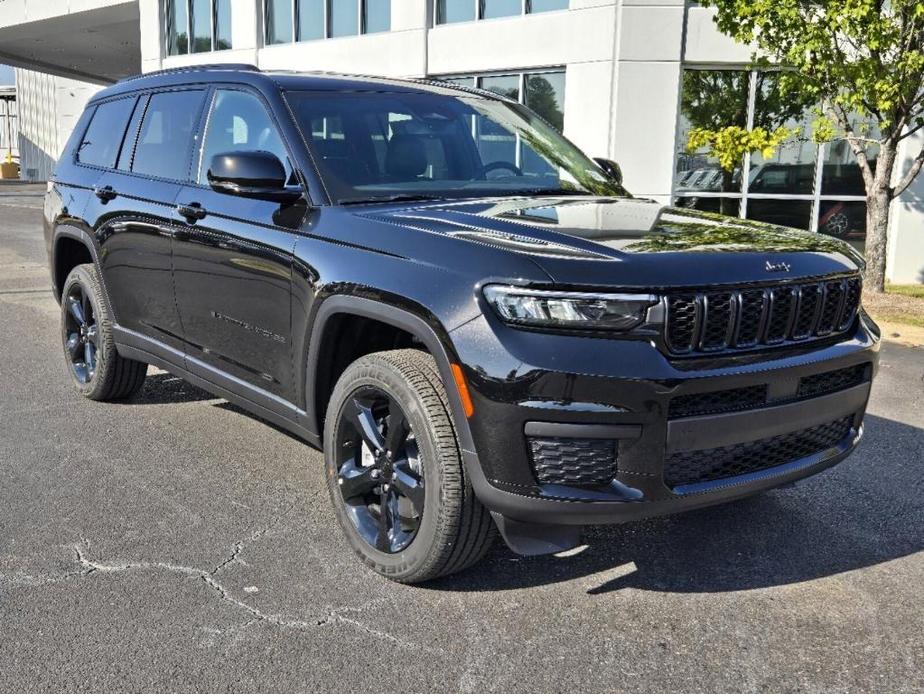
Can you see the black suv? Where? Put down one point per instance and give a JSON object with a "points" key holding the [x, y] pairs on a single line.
{"points": [[478, 324]]}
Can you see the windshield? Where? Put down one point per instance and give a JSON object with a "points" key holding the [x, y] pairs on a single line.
{"points": [[375, 146]]}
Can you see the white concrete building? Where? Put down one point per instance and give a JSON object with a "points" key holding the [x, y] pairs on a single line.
{"points": [[625, 79]]}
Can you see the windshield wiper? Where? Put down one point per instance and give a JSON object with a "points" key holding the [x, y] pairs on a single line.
{"points": [[404, 197]]}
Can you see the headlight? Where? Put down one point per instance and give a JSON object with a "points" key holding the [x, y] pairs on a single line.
{"points": [[568, 310]]}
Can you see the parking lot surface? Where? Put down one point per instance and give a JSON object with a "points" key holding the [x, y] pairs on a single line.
{"points": [[174, 543]]}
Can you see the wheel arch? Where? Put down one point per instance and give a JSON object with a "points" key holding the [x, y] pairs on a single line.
{"points": [[422, 331], [71, 246]]}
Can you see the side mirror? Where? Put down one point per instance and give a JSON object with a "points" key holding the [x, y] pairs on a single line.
{"points": [[251, 174], [611, 168]]}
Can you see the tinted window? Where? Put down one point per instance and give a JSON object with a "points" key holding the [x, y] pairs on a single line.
{"points": [[369, 146], [239, 123], [101, 142], [166, 136]]}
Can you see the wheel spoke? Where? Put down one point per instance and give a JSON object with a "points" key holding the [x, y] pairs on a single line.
{"points": [[72, 344], [89, 357], [86, 306], [409, 485], [355, 481], [397, 429], [93, 335], [386, 523], [75, 308], [365, 424]]}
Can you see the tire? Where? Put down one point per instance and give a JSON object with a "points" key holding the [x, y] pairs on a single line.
{"points": [[453, 530], [96, 369]]}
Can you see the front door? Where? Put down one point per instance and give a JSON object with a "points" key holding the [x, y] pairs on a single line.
{"points": [[232, 262]]}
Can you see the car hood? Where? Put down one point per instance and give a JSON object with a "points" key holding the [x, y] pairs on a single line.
{"points": [[630, 242]]}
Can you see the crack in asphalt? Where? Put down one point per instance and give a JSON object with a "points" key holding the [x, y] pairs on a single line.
{"points": [[333, 617]]}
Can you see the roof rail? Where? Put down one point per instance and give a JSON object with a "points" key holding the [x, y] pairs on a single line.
{"points": [[245, 67]]}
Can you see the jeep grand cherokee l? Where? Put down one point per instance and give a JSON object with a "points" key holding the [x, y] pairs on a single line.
{"points": [[474, 320]]}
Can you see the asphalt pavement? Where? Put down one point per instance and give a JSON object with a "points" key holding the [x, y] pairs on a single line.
{"points": [[175, 543]]}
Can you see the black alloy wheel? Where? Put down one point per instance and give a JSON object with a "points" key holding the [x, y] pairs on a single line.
{"points": [[81, 333], [96, 368], [380, 472]]}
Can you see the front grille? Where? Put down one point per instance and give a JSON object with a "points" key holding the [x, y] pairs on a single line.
{"points": [[573, 462], [691, 467], [753, 397], [708, 322]]}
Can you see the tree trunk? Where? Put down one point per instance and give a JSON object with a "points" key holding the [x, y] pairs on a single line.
{"points": [[877, 227], [878, 203]]}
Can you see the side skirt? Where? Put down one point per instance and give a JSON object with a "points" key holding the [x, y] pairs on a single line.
{"points": [[133, 345]]}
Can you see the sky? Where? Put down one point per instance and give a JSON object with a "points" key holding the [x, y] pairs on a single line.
{"points": [[6, 75]]}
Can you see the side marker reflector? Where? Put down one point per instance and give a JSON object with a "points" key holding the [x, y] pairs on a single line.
{"points": [[462, 387]]}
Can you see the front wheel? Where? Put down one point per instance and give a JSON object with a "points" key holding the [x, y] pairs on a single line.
{"points": [[395, 473]]}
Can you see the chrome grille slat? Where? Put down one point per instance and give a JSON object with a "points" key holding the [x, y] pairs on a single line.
{"points": [[720, 320]]}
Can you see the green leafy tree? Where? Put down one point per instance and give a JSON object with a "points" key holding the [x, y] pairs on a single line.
{"points": [[862, 61]]}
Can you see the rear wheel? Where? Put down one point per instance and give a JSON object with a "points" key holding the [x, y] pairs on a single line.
{"points": [[98, 372], [395, 473]]}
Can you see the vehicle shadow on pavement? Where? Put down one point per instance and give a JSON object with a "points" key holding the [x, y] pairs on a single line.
{"points": [[167, 389], [866, 511]]}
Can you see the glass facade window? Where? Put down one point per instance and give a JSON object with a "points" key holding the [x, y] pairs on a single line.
{"points": [[783, 189], [376, 16], [279, 27], [344, 18], [309, 20], [177, 23], [207, 22], [222, 25], [500, 8], [451, 11]]}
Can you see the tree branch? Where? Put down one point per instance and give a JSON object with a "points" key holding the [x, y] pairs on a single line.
{"points": [[910, 176]]}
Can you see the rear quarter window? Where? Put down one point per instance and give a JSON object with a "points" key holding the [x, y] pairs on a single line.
{"points": [[102, 139]]}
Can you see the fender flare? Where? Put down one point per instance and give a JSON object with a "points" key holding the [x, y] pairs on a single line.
{"points": [[84, 237], [399, 318]]}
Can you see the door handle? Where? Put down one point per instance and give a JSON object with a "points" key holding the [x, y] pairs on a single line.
{"points": [[192, 211], [106, 193]]}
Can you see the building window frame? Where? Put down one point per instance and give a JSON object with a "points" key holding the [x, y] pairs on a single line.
{"points": [[327, 23], [190, 41], [526, 8], [743, 196]]}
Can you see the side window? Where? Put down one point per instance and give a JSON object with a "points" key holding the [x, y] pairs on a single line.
{"points": [[102, 139], [239, 123], [166, 136]]}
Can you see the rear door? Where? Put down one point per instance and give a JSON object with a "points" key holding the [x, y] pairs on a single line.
{"points": [[233, 265], [135, 207]]}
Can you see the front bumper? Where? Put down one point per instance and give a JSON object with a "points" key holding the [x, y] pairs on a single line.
{"points": [[590, 388]]}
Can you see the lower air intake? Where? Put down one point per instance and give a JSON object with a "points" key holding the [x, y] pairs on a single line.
{"points": [[573, 462], [692, 467]]}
